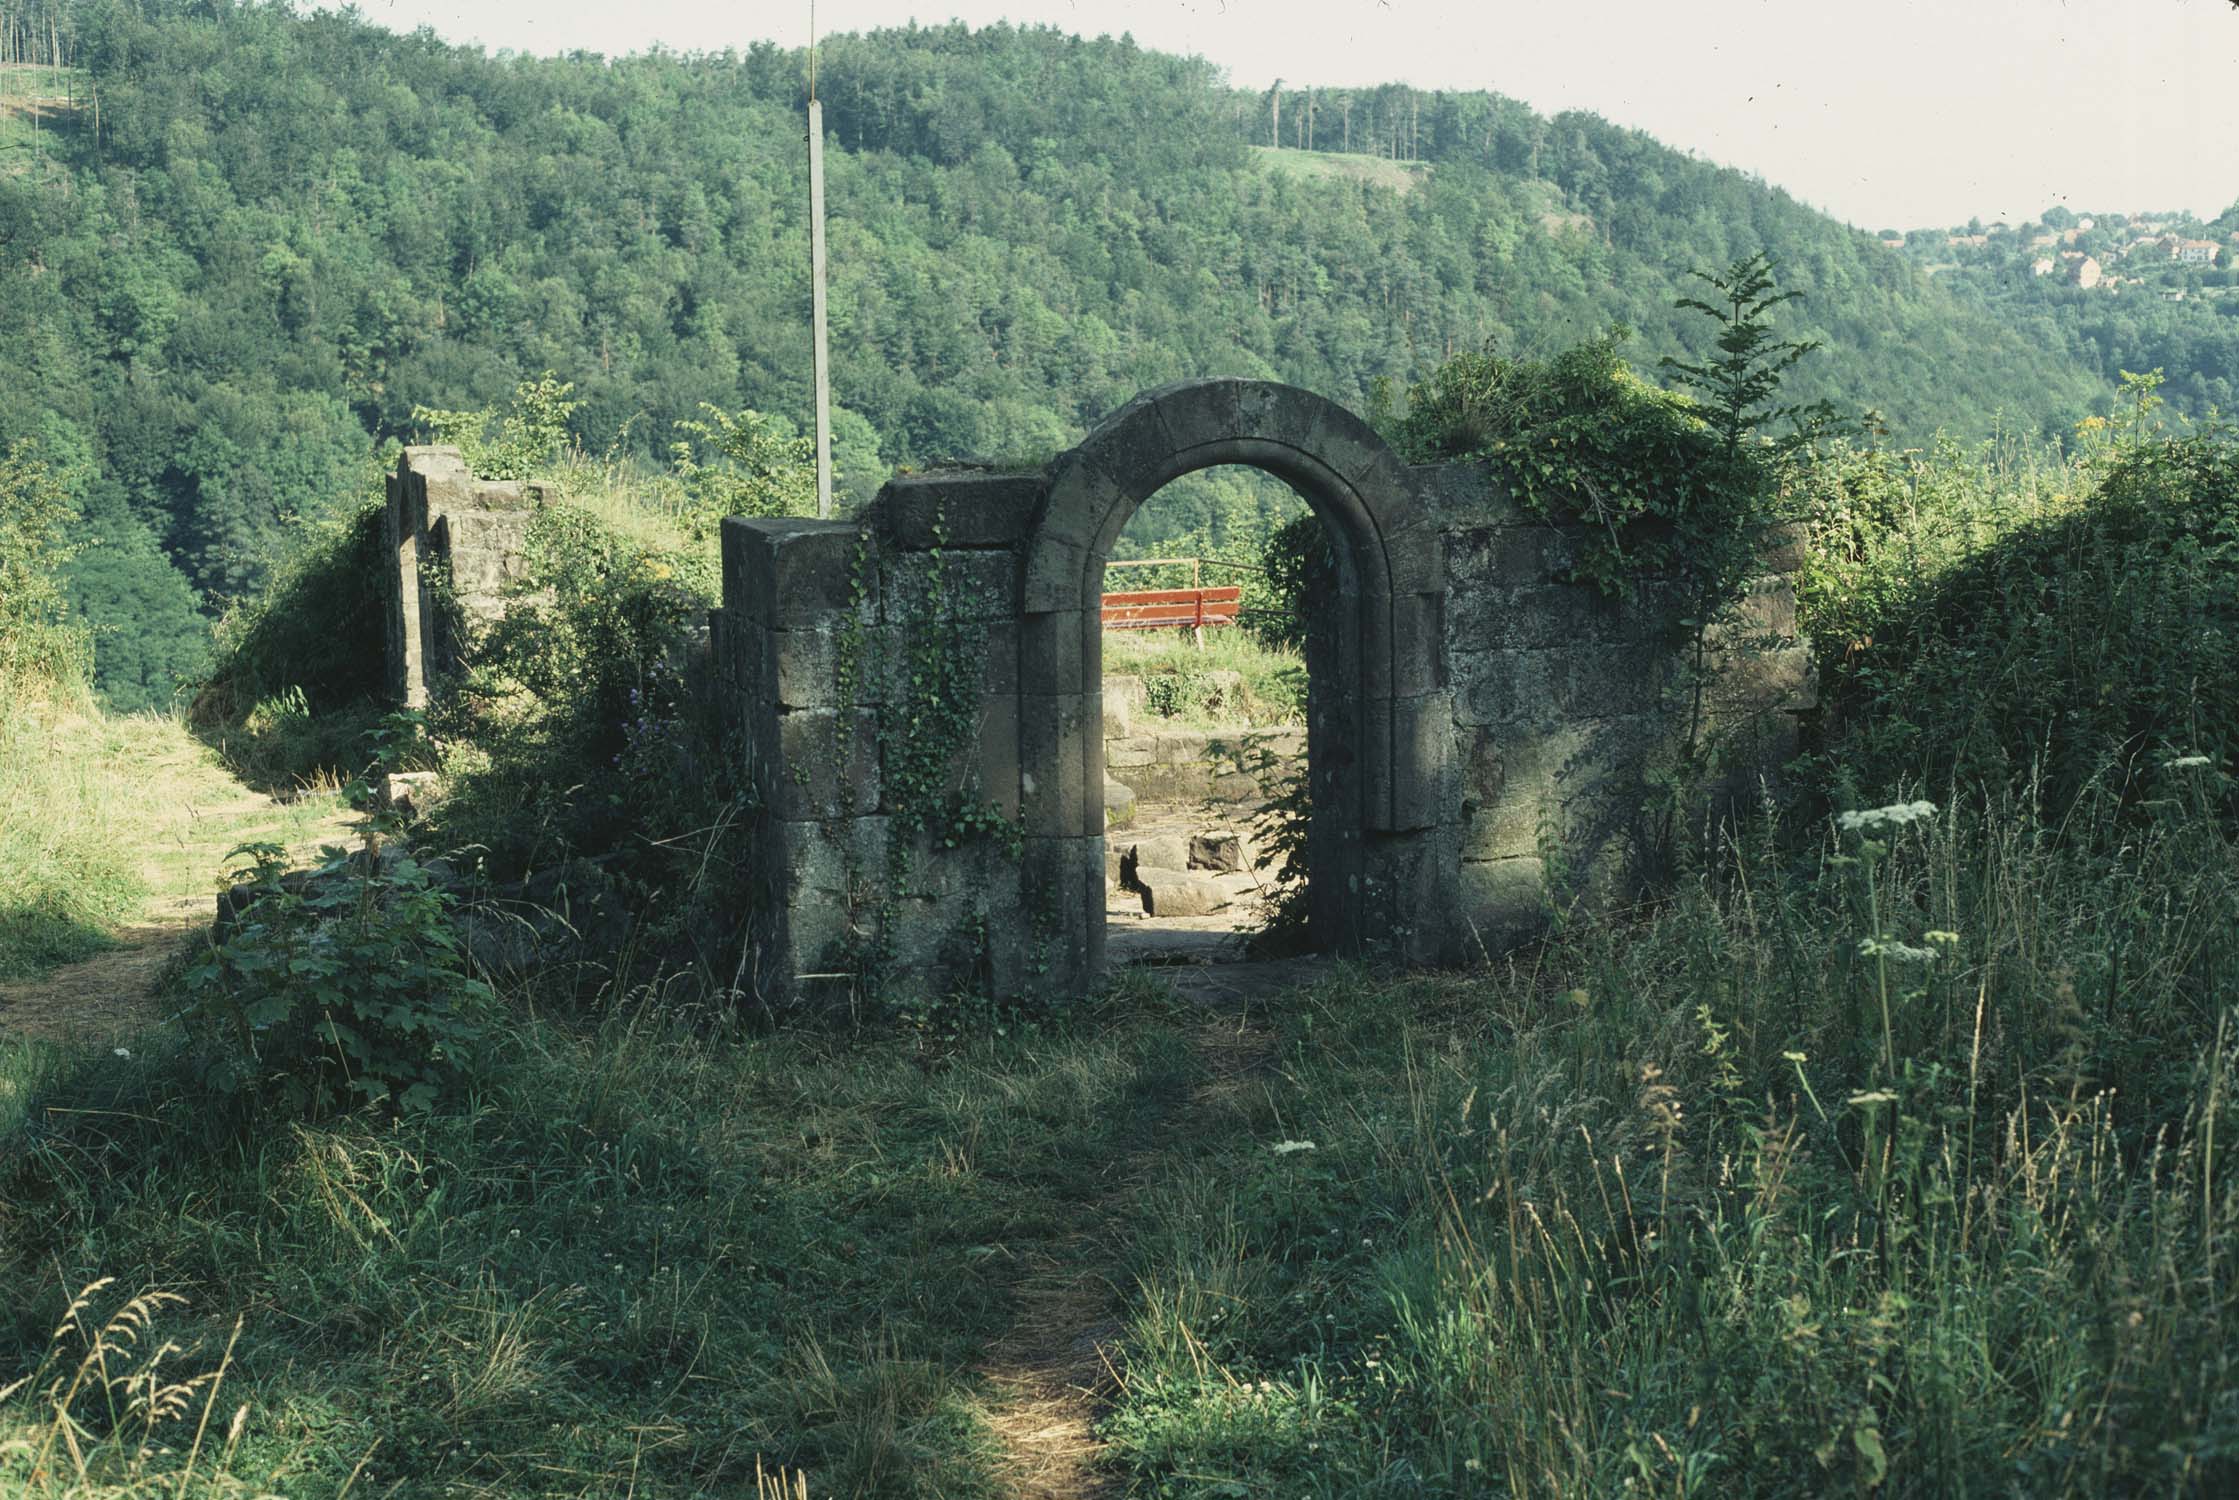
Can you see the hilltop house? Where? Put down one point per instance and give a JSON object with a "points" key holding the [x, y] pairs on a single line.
{"points": [[2086, 273], [2194, 252]]}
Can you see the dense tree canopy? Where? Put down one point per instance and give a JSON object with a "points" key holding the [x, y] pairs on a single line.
{"points": [[281, 234]]}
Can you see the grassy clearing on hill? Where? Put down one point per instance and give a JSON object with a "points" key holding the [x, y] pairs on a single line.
{"points": [[1885, 1155], [1650, 1205], [114, 820]]}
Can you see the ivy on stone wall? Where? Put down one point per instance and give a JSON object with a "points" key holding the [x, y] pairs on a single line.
{"points": [[928, 725]]}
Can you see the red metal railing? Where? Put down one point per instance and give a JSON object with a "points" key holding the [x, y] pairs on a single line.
{"points": [[1181, 609]]}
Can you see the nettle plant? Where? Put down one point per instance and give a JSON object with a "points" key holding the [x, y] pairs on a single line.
{"points": [[347, 986]]}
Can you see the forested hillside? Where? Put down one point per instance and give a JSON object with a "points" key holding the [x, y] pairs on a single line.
{"points": [[252, 243], [2137, 292]]}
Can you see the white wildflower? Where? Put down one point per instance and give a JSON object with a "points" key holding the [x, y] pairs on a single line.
{"points": [[2190, 762], [1285, 1148], [123, 1052], [1896, 815], [1904, 953]]}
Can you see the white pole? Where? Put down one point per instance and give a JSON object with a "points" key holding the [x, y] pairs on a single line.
{"points": [[816, 290]]}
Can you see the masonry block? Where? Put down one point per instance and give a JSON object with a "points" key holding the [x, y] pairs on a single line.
{"points": [[1464, 496], [976, 586], [790, 573], [1763, 619], [1053, 761], [960, 508], [999, 663], [1785, 679], [1408, 883], [1785, 548], [1511, 557], [996, 768], [1062, 898], [1503, 901], [1578, 783], [1052, 652], [825, 666], [1198, 414], [1558, 614], [1133, 750], [1426, 789], [1418, 644], [1503, 688], [826, 765]]}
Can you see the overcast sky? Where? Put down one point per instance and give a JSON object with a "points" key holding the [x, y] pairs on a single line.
{"points": [[1908, 113]]}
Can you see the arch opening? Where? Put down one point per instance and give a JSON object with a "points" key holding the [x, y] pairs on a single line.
{"points": [[1206, 693], [1378, 741]]}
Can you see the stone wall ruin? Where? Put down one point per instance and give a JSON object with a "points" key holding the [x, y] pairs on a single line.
{"points": [[456, 546], [918, 692], [1478, 727]]}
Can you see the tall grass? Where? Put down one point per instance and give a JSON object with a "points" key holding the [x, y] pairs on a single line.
{"points": [[1657, 1215], [67, 871]]}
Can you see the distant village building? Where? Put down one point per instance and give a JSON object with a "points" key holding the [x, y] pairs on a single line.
{"points": [[2041, 266], [2086, 273], [2194, 252]]}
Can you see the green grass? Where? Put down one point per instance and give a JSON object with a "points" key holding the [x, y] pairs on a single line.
{"points": [[65, 877], [1177, 687], [111, 820], [653, 1254], [1885, 1160], [1648, 1205], [1653, 1214]]}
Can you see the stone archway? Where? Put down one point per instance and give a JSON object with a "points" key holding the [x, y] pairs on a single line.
{"points": [[1381, 742]]}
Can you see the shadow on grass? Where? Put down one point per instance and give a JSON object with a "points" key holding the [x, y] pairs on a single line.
{"points": [[649, 1253]]}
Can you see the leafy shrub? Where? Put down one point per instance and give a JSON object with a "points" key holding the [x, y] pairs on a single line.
{"points": [[348, 987], [1672, 494], [572, 726], [754, 467], [1278, 837], [2089, 643], [1298, 565], [529, 438], [1581, 437]]}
